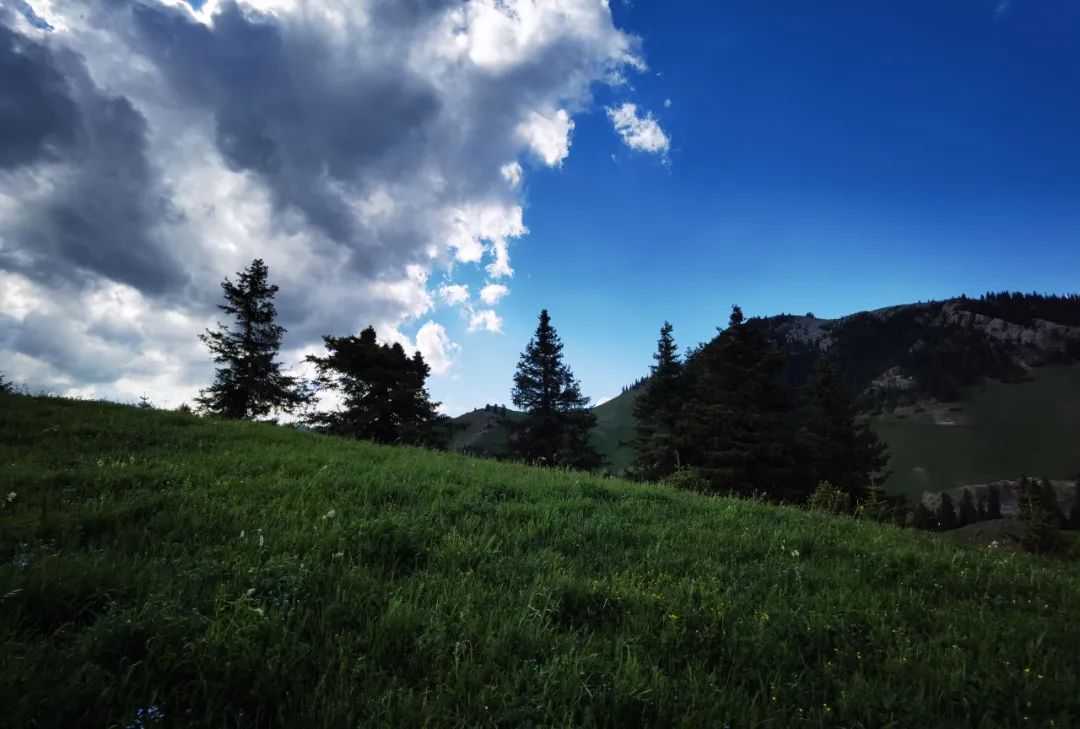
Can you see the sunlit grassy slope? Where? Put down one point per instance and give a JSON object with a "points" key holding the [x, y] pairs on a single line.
{"points": [[247, 575]]}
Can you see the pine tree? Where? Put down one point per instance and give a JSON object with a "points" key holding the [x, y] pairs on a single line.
{"points": [[383, 391], [922, 518], [1048, 501], [1040, 523], [249, 382], [657, 411], [968, 513], [839, 447], [6, 387], [993, 502], [555, 429], [946, 514], [733, 427], [1073, 521]]}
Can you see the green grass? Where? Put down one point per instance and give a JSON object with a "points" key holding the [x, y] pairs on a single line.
{"points": [[239, 574], [1000, 431], [615, 430]]}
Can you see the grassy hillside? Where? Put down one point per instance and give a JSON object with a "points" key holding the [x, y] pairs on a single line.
{"points": [[998, 431], [615, 429], [242, 574]]}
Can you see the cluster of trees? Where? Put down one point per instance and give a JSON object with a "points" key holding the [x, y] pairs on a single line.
{"points": [[1024, 308], [949, 515], [723, 420], [381, 390]]}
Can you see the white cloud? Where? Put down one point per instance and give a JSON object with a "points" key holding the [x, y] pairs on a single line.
{"points": [[492, 293], [435, 347], [512, 173], [667, 103], [485, 320], [366, 151], [641, 133], [548, 135], [454, 294]]}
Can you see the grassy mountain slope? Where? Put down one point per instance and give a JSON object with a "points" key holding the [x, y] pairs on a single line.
{"points": [[997, 431], [245, 574]]}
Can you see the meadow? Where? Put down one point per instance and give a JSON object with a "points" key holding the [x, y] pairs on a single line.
{"points": [[160, 569]]}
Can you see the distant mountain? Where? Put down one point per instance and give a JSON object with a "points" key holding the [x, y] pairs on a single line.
{"points": [[964, 391]]}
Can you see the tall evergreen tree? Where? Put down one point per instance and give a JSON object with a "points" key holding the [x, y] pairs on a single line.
{"points": [[922, 518], [383, 391], [993, 502], [555, 429], [1073, 522], [968, 514], [657, 411], [249, 382], [733, 421], [1048, 501], [946, 514], [838, 446]]}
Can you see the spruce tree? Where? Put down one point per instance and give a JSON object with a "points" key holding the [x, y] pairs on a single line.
{"points": [[1048, 501], [1041, 523], [1073, 521], [557, 421], [249, 382], [383, 392], [993, 502], [657, 411], [733, 425], [922, 518], [946, 514], [839, 447], [968, 513]]}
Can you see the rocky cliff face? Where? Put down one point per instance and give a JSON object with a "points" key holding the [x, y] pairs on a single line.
{"points": [[1032, 343]]}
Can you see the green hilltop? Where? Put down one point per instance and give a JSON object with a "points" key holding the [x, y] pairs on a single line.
{"points": [[236, 573]]}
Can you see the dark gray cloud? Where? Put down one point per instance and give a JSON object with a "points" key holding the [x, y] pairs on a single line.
{"points": [[287, 111], [89, 148], [37, 114]]}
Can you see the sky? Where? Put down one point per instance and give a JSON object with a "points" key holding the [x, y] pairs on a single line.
{"points": [[444, 169]]}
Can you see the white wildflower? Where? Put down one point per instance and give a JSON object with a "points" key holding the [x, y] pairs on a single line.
{"points": [[11, 496], [794, 553], [338, 555], [329, 515], [243, 533], [251, 591]]}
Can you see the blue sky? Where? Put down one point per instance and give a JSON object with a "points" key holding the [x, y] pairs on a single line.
{"points": [[827, 157]]}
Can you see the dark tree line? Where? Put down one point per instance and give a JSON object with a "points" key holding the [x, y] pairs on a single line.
{"points": [[381, 389], [724, 420]]}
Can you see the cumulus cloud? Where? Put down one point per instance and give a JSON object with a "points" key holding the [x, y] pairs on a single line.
{"points": [[637, 132], [435, 347], [454, 294], [485, 320], [492, 293], [358, 146]]}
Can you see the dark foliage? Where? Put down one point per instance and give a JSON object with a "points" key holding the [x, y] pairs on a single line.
{"points": [[968, 514], [658, 411], [249, 382], [837, 445], [1040, 516], [945, 517], [923, 518], [382, 391], [555, 429], [1020, 308], [5, 385], [733, 424]]}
